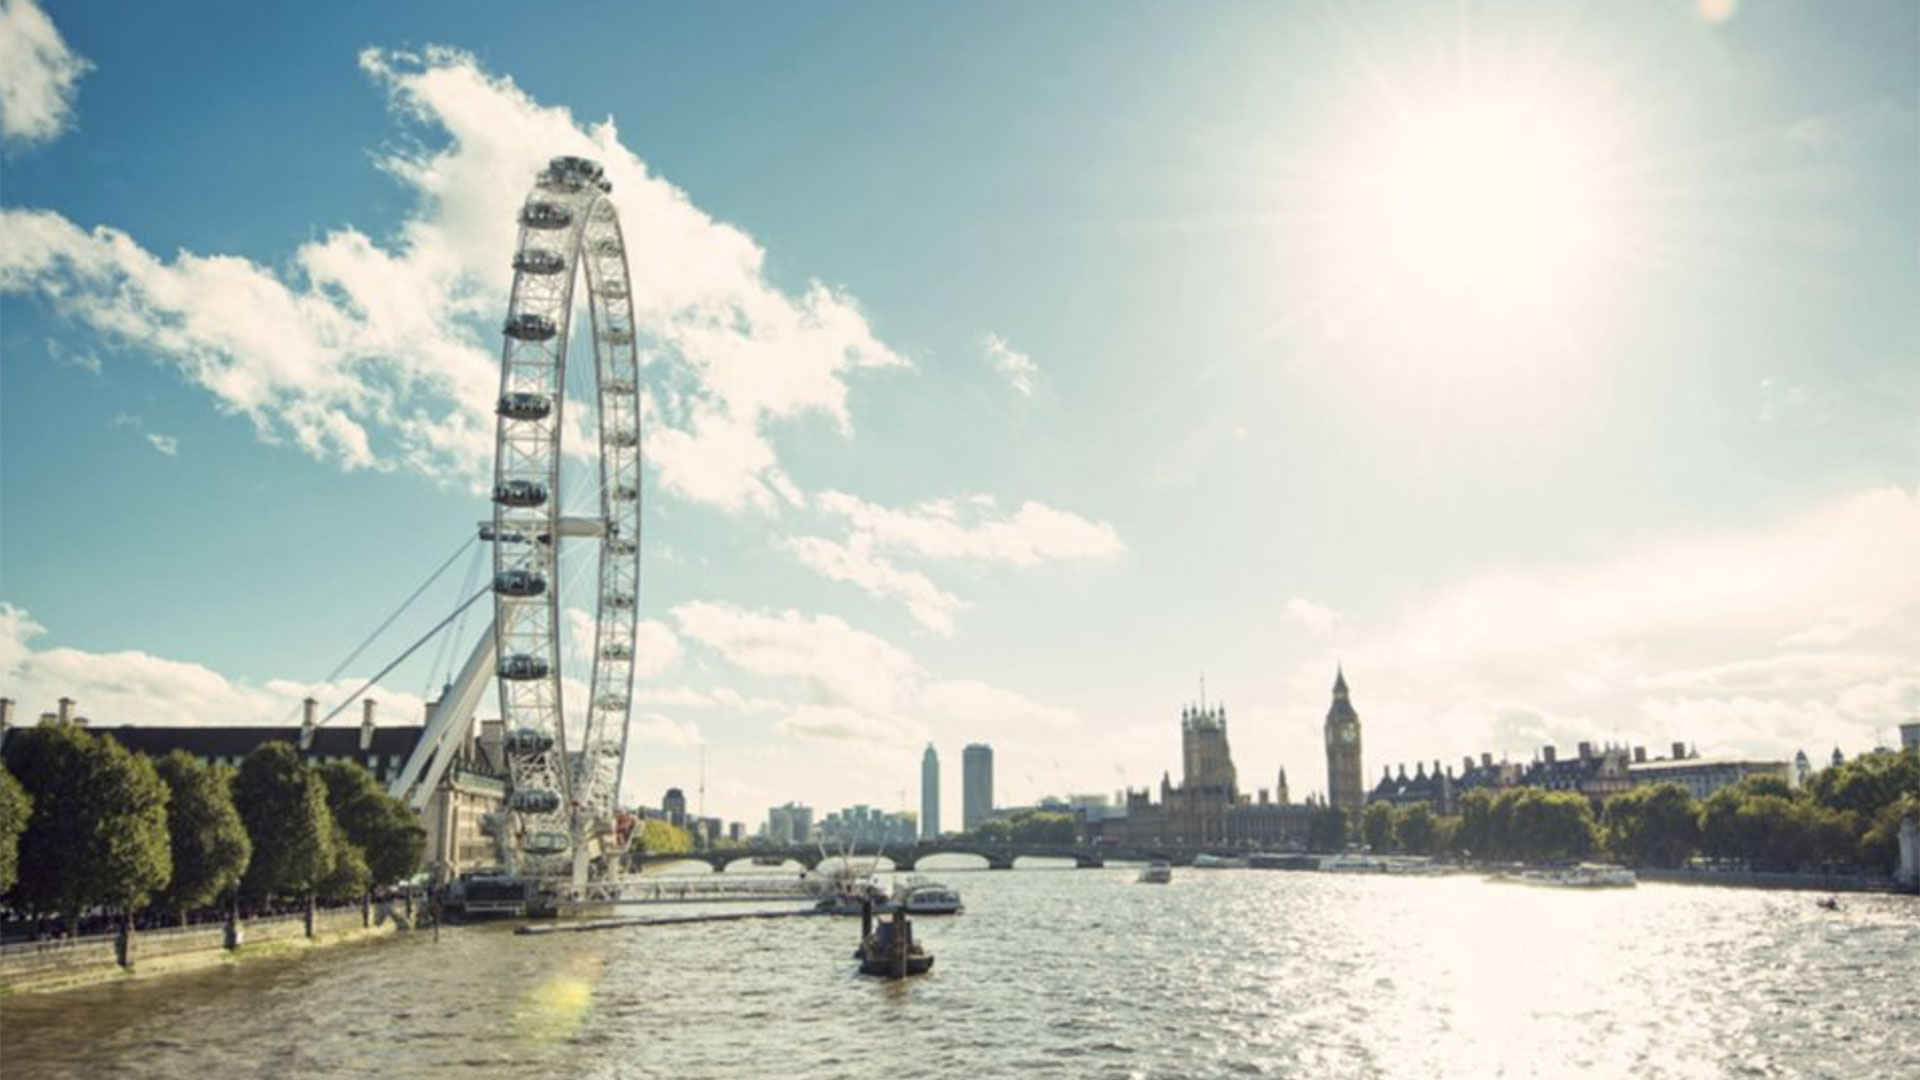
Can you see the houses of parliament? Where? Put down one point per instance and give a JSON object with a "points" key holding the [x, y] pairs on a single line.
{"points": [[1208, 807]]}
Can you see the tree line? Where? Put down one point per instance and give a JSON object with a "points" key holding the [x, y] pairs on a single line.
{"points": [[87, 825], [1029, 827], [1847, 815]]}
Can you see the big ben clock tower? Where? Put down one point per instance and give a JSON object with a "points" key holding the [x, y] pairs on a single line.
{"points": [[1344, 788]]}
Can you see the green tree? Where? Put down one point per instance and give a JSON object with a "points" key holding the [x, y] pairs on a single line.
{"points": [[349, 877], [1474, 836], [1416, 829], [1751, 824], [1043, 827], [1868, 784], [209, 844], [1880, 847], [284, 807], [997, 831], [98, 835], [1327, 829], [661, 838], [1658, 825], [388, 837], [1376, 826], [16, 808], [1549, 825]]}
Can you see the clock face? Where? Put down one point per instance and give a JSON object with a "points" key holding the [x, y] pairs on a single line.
{"points": [[1349, 734]]}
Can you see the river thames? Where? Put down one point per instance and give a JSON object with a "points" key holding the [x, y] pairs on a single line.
{"points": [[1065, 973]]}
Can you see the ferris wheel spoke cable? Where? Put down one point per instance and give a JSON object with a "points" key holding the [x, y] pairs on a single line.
{"points": [[442, 668], [397, 612], [402, 658]]}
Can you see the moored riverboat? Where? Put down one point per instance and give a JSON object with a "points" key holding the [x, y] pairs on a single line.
{"points": [[1582, 876], [918, 896]]}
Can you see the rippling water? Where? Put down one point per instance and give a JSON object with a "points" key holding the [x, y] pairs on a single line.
{"points": [[1070, 974]]}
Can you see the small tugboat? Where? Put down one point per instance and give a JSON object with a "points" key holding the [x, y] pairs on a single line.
{"points": [[888, 951], [1156, 873]]}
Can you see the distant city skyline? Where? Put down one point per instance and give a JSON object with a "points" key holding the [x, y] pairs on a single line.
{"points": [[1557, 377]]}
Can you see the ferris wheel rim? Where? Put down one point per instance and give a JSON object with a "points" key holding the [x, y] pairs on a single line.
{"points": [[562, 789]]}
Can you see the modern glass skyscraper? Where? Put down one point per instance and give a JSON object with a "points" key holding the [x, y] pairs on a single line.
{"points": [[929, 794], [976, 785]]}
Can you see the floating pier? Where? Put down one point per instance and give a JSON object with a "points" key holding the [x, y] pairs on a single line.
{"points": [[670, 920]]}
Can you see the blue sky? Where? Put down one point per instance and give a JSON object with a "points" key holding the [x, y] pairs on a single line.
{"points": [[1553, 366]]}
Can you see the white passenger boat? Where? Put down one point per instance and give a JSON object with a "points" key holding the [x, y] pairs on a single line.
{"points": [[1583, 876], [1156, 873], [918, 896], [1353, 864], [1204, 861]]}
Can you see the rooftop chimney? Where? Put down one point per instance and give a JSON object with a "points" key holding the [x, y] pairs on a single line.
{"points": [[1546, 754], [1466, 763], [66, 710], [366, 725], [1679, 751], [1586, 750], [308, 722], [1639, 755], [6, 714], [1486, 759]]}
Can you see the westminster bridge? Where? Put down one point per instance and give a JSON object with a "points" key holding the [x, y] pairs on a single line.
{"points": [[908, 856]]}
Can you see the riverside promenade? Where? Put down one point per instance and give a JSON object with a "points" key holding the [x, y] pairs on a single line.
{"points": [[64, 963]]}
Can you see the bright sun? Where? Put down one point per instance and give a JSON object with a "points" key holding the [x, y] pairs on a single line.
{"points": [[1468, 219]]}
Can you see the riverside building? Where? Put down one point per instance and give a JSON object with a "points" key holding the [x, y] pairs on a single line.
{"points": [[976, 785], [930, 794], [473, 786], [1207, 808]]}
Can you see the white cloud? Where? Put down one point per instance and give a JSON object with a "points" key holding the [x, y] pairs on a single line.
{"points": [[1854, 551], [825, 723], [976, 705], [1786, 673], [1016, 367], [165, 444], [1320, 621], [86, 361], [654, 729], [381, 355], [969, 529], [656, 648], [1730, 640], [944, 529], [837, 664], [38, 74], [855, 562], [854, 685], [134, 687]]}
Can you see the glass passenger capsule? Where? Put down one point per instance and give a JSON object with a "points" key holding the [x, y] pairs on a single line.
{"points": [[530, 326], [545, 215], [520, 668], [528, 740], [519, 583], [520, 493], [538, 261], [524, 405]]}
